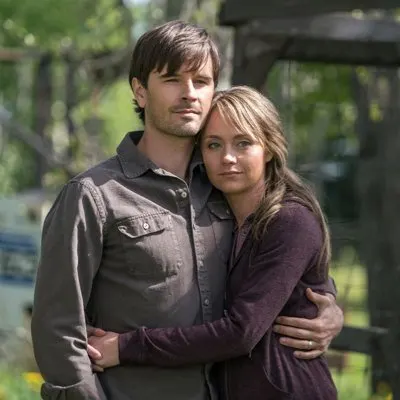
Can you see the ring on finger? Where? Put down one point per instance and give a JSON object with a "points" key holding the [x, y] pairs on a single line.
{"points": [[309, 344]]}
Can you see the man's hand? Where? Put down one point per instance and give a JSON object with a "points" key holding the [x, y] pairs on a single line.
{"points": [[312, 336], [107, 347], [93, 353]]}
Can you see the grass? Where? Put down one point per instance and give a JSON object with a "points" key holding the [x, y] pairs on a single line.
{"points": [[353, 382], [19, 386]]}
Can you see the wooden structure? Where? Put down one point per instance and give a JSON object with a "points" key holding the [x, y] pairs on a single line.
{"points": [[353, 32], [309, 30]]}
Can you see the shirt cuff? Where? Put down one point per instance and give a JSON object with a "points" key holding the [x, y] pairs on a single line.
{"points": [[131, 346], [87, 389]]}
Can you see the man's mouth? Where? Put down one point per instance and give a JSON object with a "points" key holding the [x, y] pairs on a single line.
{"points": [[185, 111]]}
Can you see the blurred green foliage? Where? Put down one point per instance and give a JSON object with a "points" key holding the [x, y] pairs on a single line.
{"points": [[85, 31]]}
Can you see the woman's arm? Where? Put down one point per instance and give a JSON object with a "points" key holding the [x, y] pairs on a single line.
{"points": [[291, 245]]}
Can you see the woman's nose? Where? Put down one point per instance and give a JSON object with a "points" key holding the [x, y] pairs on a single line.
{"points": [[229, 158]]}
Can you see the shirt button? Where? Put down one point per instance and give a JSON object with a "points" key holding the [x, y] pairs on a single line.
{"points": [[228, 212], [183, 195], [206, 302], [146, 225]]}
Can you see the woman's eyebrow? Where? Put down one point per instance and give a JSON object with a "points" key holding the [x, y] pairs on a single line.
{"points": [[215, 136]]}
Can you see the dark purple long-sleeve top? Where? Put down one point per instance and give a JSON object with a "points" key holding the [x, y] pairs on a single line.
{"points": [[267, 278]]}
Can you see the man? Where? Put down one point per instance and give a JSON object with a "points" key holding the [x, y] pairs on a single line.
{"points": [[142, 239]]}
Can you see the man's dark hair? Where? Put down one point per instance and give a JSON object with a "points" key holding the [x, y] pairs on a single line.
{"points": [[171, 45]]}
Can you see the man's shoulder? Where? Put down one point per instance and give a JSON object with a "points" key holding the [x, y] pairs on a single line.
{"points": [[100, 173]]}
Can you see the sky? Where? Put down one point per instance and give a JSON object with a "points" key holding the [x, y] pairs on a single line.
{"points": [[136, 1]]}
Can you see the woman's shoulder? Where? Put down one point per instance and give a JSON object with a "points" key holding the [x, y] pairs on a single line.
{"points": [[294, 218], [293, 211]]}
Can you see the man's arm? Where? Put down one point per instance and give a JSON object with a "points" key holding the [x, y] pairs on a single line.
{"points": [[320, 331], [277, 267], [70, 256]]}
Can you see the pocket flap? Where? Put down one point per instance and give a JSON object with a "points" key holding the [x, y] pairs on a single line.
{"points": [[143, 225], [220, 210]]}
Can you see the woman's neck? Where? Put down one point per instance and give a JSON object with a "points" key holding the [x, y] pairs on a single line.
{"points": [[245, 203]]}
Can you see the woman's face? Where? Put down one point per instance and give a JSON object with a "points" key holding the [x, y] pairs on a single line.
{"points": [[235, 161]]}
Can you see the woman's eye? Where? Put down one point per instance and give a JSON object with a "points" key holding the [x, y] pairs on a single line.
{"points": [[244, 143], [213, 145]]}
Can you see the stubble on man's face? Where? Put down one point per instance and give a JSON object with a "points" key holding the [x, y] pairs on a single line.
{"points": [[178, 105]]}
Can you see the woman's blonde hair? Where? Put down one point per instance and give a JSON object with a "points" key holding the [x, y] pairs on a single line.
{"points": [[250, 112]]}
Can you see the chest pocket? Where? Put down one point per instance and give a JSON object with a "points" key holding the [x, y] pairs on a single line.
{"points": [[150, 246], [222, 225]]}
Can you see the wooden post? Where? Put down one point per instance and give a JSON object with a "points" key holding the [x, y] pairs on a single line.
{"points": [[378, 177], [70, 98], [254, 58], [43, 92]]}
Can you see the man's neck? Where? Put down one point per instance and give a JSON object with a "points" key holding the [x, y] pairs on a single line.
{"points": [[168, 152]]}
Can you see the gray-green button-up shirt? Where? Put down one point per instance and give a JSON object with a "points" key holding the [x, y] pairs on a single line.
{"points": [[128, 244]]}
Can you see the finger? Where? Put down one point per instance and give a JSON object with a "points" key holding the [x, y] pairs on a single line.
{"points": [[93, 353], [98, 332], [300, 344], [296, 327], [308, 355], [97, 368], [319, 300], [99, 363]]}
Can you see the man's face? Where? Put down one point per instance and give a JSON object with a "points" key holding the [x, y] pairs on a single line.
{"points": [[177, 105]]}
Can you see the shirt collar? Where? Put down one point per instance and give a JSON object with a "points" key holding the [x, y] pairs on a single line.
{"points": [[134, 163], [246, 224]]}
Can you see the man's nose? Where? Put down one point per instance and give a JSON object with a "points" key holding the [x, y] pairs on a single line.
{"points": [[189, 91]]}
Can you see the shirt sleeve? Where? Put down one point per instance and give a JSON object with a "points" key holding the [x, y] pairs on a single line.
{"points": [[290, 246], [70, 257]]}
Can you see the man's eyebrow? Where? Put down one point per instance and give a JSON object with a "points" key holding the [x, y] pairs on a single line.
{"points": [[205, 77], [166, 75]]}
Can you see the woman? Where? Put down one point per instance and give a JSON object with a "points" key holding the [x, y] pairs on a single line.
{"points": [[281, 248]]}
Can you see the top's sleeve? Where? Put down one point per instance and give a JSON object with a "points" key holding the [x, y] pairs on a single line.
{"points": [[72, 242], [291, 244]]}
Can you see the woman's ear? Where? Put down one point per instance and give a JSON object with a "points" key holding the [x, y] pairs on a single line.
{"points": [[140, 92], [268, 156]]}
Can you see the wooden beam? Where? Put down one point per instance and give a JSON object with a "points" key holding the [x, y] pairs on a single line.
{"points": [[335, 27], [238, 12], [16, 54], [359, 340], [336, 38]]}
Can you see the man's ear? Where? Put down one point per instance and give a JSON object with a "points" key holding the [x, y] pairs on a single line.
{"points": [[140, 92]]}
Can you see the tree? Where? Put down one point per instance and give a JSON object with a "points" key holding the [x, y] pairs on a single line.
{"points": [[51, 59]]}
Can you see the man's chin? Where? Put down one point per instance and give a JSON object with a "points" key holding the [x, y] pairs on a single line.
{"points": [[186, 131]]}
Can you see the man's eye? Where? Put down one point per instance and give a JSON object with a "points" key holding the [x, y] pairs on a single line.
{"points": [[171, 80], [213, 145]]}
